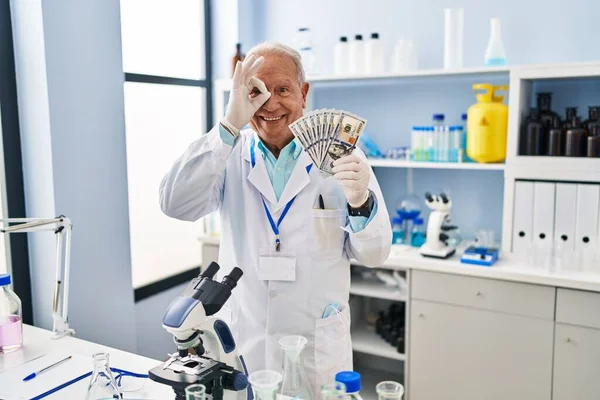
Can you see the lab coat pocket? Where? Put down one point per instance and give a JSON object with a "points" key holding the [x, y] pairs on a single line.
{"points": [[326, 233], [333, 347]]}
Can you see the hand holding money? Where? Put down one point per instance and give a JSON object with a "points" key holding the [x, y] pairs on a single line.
{"points": [[242, 106], [328, 135], [353, 173]]}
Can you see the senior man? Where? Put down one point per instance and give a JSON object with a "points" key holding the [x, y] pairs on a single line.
{"points": [[289, 229]]}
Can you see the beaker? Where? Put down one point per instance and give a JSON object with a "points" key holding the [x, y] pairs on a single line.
{"points": [[102, 384], [295, 383], [333, 391], [195, 392], [389, 390], [265, 384]]}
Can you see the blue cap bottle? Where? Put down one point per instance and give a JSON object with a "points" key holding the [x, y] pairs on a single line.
{"points": [[349, 378]]}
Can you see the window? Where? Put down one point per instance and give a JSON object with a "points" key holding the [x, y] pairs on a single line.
{"points": [[166, 54]]}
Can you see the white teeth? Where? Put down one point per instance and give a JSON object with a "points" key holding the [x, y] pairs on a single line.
{"points": [[272, 119]]}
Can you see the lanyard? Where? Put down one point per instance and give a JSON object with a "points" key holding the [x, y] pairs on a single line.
{"points": [[274, 226]]}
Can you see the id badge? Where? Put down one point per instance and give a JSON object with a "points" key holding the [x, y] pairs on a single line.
{"points": [[276, 266]]}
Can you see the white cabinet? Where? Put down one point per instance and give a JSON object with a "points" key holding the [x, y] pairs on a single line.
{"points": [[576, 363], [460, 353]]}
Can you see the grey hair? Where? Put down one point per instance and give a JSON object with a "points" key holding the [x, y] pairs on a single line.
{"points": [[281, 49]]}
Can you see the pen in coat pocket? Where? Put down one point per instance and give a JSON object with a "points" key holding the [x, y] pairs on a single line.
{"points": [[321, 204]]}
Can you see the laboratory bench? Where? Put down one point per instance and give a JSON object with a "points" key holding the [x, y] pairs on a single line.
{"points": [[473, 332], [38, 342]]}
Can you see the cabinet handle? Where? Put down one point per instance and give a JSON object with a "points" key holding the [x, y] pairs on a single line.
{"points": [[568, 340], [478, 293]]}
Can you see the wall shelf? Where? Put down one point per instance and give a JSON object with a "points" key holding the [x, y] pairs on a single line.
{"points": [[377, 290], [390, 163], [365, 341]]}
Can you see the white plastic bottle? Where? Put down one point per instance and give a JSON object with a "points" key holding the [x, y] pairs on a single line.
{"points": [[374, 56], [494, 54], [341, 57], [305, 47], [357, 56]]}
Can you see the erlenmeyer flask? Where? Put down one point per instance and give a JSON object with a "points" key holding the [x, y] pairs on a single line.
{"points": [[295, 383], [102, 384]]}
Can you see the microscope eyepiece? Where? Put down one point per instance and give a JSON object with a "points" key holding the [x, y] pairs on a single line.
{"points": [[232, 279], [444, 198], [428, 197], [211, 270]]}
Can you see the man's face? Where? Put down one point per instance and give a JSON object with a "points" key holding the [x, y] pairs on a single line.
{"points": [[286, 103]]}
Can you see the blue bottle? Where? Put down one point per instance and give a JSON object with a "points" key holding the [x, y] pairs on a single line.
{"points": [[417, 235], [397, 230]]}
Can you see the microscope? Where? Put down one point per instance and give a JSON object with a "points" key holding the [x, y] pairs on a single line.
{"points": [[206, 351], [437, 240]]}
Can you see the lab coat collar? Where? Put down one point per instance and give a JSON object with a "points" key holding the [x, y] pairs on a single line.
{"points": [[258, 175]]}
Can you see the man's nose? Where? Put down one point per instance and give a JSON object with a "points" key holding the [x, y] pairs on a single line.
{"points": [[271, 104]]}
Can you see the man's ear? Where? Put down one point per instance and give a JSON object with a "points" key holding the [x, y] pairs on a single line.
{"points": [[304, 90]]}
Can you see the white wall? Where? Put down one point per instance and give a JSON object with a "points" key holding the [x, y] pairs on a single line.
{"points": [[73, 135]]}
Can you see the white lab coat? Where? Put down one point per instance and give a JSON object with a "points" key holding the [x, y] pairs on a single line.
{"points": [[213, 176]]}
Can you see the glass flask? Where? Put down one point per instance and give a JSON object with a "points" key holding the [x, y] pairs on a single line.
{"points": [[11, 327], [389, 390], [102, 384], [295, 383], [265, 384], [333, 391], [195, 392]]}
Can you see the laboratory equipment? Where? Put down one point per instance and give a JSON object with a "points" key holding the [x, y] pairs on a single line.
{"points": [[265, 384], [593, 122], [494, 53], [333, 391], [405, 56], [593, 146], [238, 56], [195, 392], [389, 390], [368, 146], [435, 139], [453, 38], [576, 140], [534, 143], [417, 235], [375, 62], [398, 233], [294, 383], [556, 139], [304, 45], [341, 57], [357, 56], [102, 383], [408, 208], [190, 319], [61, 226], [437, 243], [484, 256], [544, 106], [351, 380], [11, 325], [487, 124], [572, 119]]}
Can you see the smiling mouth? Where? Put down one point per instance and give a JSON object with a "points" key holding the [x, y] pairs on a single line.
{"points": [[271, 119]]}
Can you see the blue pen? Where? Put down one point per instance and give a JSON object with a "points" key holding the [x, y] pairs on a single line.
{"points": [[33, 375]]}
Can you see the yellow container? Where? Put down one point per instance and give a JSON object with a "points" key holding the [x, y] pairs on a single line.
{"points": [[487, 122]]}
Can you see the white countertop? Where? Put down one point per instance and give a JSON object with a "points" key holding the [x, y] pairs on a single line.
{"points": [[37, 341], [404, 257]]}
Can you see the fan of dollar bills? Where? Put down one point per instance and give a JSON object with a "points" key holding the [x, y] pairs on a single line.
{"points": [[327, 135]]}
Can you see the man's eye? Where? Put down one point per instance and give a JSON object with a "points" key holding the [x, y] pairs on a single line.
{"points": [[255, 92], [283, 90]]}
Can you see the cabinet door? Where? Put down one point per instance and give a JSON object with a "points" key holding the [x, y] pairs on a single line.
{"points": [[210, 253], [459, 353], [576, 363]]}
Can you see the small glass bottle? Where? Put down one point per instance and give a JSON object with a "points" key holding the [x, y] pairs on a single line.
{"points": [[195, 392], [11, 326], [438, 130], [351, 380], [238, 56], [333, 391], [102, 383], [494, 54], [397, 230], [417, 235]]}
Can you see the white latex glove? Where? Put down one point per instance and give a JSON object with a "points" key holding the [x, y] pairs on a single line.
{"points": [[353, 174], [241, 106]]}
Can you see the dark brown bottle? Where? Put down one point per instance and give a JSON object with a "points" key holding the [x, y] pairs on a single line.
{"points": [[571, 118], [544, 105], [535, 137], [238, 56], [576, 140], [593, 118], [593, 146], [556, 139]]}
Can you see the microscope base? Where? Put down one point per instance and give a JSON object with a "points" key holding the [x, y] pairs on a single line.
{"points": [[443, 253]]}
